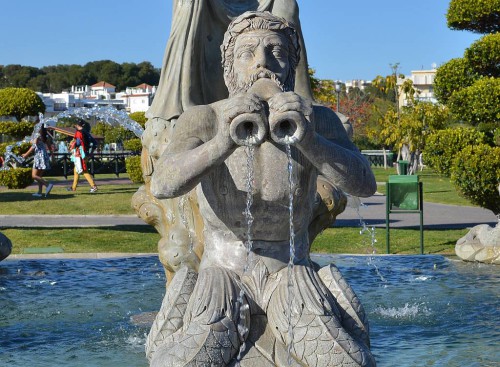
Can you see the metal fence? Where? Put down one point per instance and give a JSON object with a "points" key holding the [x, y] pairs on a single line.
{"points": [[98, 163]]}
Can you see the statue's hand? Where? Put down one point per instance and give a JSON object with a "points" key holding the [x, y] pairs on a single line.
{"points": [[289, 118], [244, 120]]}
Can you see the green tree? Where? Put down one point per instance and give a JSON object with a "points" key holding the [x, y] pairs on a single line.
{"points": [[454, 75], [475, 99], [442, 146], [476, 174], [480, 16], [323, 90], [139, 117], [20, 102], [483, 56], [478, 103], [411, 127]]}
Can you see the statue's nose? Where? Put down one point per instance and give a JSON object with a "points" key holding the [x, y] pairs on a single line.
{"points": [[260, 58]]}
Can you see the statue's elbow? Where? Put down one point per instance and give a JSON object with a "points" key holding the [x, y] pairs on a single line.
{"points": [[160, 189]]}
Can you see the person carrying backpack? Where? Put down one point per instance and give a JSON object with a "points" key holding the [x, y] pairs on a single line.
{"points": [[82, 146]]}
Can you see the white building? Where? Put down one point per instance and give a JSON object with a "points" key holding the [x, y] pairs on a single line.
{"points": [[357, 83], [139, 98], [134, 99], [423, 83]]}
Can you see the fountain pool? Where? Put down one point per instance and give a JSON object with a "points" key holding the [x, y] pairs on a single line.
{"points": [[423, 311]]}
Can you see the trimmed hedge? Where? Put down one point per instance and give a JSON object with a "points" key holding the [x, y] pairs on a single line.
{"points": [[18, 150], [135, 145], [16, 178], [442, 146], [476, 175], [134, 171], [477, 103], [17, 130]]}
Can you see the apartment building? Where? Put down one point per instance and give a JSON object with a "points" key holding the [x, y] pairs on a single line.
{"points": [[423, 81], [134, 99]]}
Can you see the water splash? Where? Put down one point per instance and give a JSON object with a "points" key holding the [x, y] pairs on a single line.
{"points": [[292, 253], [355, 203], [242, 329], [106, 114], [408, 311]]}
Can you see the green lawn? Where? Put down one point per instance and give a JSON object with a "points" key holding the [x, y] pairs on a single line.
{"points": [[129, 239], [110, 199], [116, 199], [437, 188]]}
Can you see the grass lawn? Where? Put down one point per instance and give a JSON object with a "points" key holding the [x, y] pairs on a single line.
{"points": [[130, 239], [437, 188], [114, 199], [110, 199], [403, 241]]}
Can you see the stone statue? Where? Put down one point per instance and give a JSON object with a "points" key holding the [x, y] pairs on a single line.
{"points": [[191, 73], [5, 246], [227, 303]]}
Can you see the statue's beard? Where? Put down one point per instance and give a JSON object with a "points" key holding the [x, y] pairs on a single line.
{"points": [[243, 86]]}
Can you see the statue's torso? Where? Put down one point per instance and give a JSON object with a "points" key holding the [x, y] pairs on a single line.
{"points": [[224, 193]]}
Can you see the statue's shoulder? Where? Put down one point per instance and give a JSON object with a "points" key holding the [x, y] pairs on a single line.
{"points": [[197, 112], [328, 123], [195, 122]]}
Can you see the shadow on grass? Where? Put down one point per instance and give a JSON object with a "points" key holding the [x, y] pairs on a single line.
{"points": [[119, 228]]}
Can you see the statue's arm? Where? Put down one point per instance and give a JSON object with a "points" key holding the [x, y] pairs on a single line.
{"points": [[195, 149], [329, 149]]}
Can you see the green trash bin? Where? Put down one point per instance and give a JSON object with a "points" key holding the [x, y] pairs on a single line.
{"points": [[404, 195], [403, 167], [403, 191]]}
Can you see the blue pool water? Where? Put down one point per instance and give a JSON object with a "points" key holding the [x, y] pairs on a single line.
{"points": [[423, 310]]}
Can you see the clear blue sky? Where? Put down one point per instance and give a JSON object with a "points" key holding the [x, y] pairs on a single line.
{"points": [[349, 39]]}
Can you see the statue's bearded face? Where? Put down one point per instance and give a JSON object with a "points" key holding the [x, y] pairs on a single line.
{"points": [[260, 54]]}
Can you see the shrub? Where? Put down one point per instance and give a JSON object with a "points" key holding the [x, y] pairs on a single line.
{"points": [[484, 55], [135, 145], [479, 16], [16, 178], [442, 146], [139, 117], [17, 150], [20, 102], [454, 75], [134, 171], [17, 130], [476, 175], [477, 103]]}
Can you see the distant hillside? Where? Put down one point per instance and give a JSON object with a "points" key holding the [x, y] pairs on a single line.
{"points": [[56, 78]]}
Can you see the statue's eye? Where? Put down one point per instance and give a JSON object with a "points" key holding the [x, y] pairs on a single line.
{"points": [[279, 53], [245, 55]]}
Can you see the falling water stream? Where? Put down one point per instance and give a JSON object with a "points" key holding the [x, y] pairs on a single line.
{"points": [[355, 203], [292, 253], [242, 329]]}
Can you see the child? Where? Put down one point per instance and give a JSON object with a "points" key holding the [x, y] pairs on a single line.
{"points": [[80, 152], [41, 161]]}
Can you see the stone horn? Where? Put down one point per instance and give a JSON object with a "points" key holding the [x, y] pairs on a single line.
{"points": [[286, 127]]}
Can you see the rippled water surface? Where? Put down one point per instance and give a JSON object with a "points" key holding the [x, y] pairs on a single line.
{"points": [[423, 311]]}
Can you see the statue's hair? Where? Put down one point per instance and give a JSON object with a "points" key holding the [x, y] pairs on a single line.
{"points": [[254, 20]]}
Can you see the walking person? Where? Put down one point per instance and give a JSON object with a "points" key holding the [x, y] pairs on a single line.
{"points": [[81, 148], [41, 162]]}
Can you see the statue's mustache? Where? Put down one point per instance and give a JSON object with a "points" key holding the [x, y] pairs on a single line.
{"points": [[263, 74]]}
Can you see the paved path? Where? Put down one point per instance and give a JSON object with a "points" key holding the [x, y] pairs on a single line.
{"points": [[372, 212], [436, 216]]}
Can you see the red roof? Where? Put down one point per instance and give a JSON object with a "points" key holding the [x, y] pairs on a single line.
{"points": [[104, 85], [144, 86]]}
